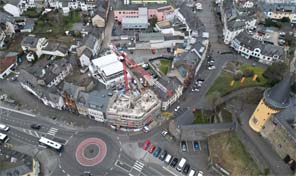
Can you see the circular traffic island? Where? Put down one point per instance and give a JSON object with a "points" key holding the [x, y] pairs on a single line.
{"points": [[91, 152]]}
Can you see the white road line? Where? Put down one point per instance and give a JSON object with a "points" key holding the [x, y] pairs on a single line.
{"points": [[138, 166], [20, 112], [60, 166], [52, 131], [63, 171], [169, 171], [30, 132], [36, 134]]}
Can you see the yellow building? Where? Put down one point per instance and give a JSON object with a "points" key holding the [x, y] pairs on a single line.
{"points": [[274, 100]]}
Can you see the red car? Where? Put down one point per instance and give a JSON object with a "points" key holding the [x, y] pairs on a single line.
{"points": [[146, 144], [152, 148]]}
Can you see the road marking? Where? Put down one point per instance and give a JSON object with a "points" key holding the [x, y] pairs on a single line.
{"points": [[138, 166], [52, 131], [169, 171], [60, 166], [36, 134], [63, 171], [20, 112]]}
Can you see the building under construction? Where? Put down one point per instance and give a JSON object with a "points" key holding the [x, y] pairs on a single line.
{"points": [[133, 110]]}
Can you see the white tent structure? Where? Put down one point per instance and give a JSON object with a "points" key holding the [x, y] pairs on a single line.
{"points": [[13, 10]]}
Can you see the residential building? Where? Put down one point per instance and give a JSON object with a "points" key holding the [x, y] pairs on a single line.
{"points": [[236, 18], [275, 100], [279, 11], [17, 7], [132, 111], [7, 63], [2, 38], [138, 22], [161, 13], [16, 163], [85, 58], [107, 69], [48, 96], [34, 44], [55, 49], [70, 95], [53, 73], [90, 42], [67, 5], [147, 1], [98, 21], [249, 47]]}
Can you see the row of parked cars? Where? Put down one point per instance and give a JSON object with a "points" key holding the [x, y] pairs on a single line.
{"points": [[174, 162]]}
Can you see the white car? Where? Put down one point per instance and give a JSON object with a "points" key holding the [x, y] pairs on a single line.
{"points": [[164, 133], [200, 173], [177, 108], [211, 67], [146, 129]]}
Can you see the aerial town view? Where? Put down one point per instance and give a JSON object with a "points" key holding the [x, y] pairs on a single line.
{"points": [[147, 87]]}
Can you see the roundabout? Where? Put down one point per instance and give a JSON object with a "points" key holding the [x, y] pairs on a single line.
{"points": [[91, 152]]}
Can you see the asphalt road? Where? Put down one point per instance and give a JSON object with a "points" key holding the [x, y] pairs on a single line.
{"points": [[21, 133]]}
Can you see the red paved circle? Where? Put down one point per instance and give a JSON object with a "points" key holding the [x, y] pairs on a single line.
{"points": [[97, 159]]}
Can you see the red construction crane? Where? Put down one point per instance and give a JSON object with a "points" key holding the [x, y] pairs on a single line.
{"points": [[125, 59]]}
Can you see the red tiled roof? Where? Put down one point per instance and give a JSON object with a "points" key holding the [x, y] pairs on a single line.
{"points": [[6, 62]]}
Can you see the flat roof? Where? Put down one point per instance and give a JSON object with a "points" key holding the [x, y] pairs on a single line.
{"points": [[109, 64]]}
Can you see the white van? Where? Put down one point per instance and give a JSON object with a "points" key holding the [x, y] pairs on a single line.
{"points": [[192, 172], [168, 159], [181, 165], [4, 127]]}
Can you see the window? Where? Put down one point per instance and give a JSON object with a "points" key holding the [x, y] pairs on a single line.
{"points": [[255, 120]]}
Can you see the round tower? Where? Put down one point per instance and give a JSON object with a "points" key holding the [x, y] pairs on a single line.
{"points": [[274, 100]]}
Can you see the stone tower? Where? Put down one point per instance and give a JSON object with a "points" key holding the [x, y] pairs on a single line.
{"points": [[274, 100]]}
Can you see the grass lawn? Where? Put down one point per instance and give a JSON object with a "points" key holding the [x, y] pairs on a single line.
{"points": [[164, 66], [227, 151], [55, 24], [201, 118], [222, 83], [226, 115]]}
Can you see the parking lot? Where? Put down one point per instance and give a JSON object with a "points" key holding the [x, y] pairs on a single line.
{"points": [[195, 155]]}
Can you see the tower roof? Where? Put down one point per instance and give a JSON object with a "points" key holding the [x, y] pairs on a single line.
{"points": [[279, 95]]}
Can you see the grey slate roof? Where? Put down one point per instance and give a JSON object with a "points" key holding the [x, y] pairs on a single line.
{"points": [[4, 17], [87, 53], [30, 41], [90, 41], [279, 95], [146, 37], [98, 99], [13, 2], [250, 43]]}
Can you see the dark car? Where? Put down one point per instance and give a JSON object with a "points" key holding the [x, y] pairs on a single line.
{"points": [[186, 169], [36, 126], [157, 152], [163, 155], [195, 145], [174, 162]]}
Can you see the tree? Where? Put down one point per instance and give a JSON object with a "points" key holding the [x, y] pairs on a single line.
{"points": [[248, 73], [238, 76], [213, 100], [285, 20], [275, 72]]}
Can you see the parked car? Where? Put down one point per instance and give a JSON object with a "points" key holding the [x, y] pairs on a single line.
{"points": [[183, 146], [174, 162], [186, 169], [200, 173], [168, 159], [177, 108], [146, 129], [146, 144], [163, 155], [211, 67], [157, 152], [195, 145], [36, 126], [164, 133], [192, 172], [152, 148]]}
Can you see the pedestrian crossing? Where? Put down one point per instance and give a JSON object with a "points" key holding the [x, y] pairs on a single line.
{"points": [[138, 166], [52, 131]]}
